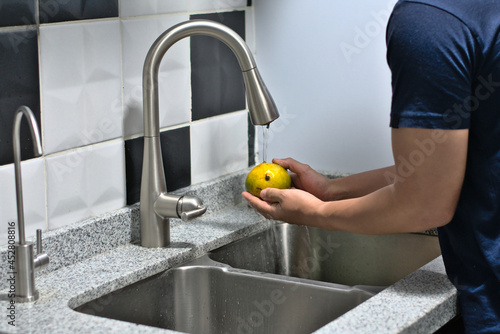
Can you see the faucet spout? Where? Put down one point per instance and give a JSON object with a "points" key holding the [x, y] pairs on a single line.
{"points": [[156, 206], [260, 103], [37, 148], [25, 262]]}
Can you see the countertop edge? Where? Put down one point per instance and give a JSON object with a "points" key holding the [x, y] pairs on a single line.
{"points": [[422, 302]]}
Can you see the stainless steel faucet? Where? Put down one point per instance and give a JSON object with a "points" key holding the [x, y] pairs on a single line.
{"points": [[156, 206], [26, 263]]}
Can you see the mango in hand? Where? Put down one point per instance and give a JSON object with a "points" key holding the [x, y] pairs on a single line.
{"points": [[267, 175]]}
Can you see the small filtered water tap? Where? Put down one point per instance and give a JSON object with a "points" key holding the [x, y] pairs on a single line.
{"points": [[26, 263], [156, 206]]}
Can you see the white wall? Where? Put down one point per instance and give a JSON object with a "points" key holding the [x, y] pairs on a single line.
{"points": [[324, 63]]}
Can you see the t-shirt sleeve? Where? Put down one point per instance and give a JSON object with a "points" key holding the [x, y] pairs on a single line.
{"points": [[431, 56]]}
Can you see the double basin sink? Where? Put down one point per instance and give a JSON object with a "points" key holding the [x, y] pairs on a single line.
{"points": [[287, 279]]}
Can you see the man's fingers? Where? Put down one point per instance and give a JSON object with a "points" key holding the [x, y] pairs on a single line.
{"points": [[285, 163], [263, 207], [254, 201], [295, 179], [246, 195], [291, 164]]}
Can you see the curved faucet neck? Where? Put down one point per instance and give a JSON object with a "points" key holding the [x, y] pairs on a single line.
{"points": [[169, 38], [37, 147]]}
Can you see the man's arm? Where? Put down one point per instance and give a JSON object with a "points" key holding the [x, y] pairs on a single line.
{"points": [[427, 180], [360, 184], [356, 185]]}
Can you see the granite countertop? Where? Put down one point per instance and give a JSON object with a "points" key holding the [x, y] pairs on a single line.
{"points": [[97, 256]]}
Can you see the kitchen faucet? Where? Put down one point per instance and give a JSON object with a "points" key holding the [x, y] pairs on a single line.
{"points": [[156, 206], [25, 262]]}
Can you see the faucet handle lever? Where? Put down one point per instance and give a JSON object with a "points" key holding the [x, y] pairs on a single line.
{"points": [[41, 259], [185, 216], [189, 207], [38, 241]]}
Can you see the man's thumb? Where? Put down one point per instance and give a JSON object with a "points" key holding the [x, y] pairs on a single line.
{"points": [[270, 195]]}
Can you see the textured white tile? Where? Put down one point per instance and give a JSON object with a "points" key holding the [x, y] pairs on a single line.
{"points": [[85, 183], [250, 29], [106, 169], [219, 146], [174, 73], [149, 7], [215, 5], [32, 172], [81, 83]]}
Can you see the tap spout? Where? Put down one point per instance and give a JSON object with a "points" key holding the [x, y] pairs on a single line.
{"points": [[25, 262], [37, 148], [260, 103]]}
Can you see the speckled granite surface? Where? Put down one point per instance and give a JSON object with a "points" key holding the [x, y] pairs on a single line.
{"points": [[90, 237], [97, 256]]}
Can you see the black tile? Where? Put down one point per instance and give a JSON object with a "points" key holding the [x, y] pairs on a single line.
{"points": [[64, 10], [251, 142], [134, 149], [216, 81], [176, 156], [176, 145], [17, 12], [19, 85]]}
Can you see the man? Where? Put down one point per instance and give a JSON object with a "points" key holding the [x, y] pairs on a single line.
{"points": [[444, 56]]}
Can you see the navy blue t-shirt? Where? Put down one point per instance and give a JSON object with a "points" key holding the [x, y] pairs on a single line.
{"points": [[445, 61]]}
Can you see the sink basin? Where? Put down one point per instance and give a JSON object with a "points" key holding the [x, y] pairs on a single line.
{"points": [[331, 256], [205, 297], [287, 279]]}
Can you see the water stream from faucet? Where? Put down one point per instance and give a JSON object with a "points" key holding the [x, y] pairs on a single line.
{"points": [[265, 139]]}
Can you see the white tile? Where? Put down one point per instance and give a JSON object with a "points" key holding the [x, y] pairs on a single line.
{"points": [[250, 29], [106, 170], [219, 146], [150, 7], [85, 183], [215, 5], [174, 74], [32, 173], [81, 84]]}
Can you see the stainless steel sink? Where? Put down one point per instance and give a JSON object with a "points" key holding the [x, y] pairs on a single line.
{"points": [[204, 297], [287, 279], [338, 257]]}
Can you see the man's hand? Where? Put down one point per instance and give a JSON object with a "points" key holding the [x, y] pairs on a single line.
{"points": [[290, 205], [423, 192], [306, 178]]}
